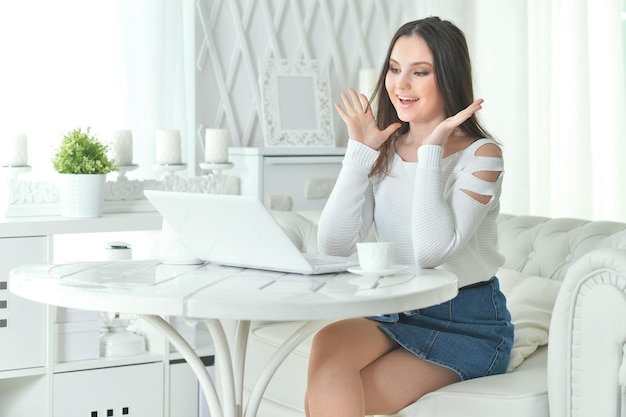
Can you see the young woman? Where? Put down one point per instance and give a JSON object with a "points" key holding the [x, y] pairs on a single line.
{"points": [[425, 174]]}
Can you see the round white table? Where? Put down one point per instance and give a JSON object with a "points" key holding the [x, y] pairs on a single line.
{"points": [[211, 293]]}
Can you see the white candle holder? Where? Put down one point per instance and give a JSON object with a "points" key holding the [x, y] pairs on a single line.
{"points": [[15, 170], [214, 167], [123, 169], [215, 176], [24, 198], [169, 169]]}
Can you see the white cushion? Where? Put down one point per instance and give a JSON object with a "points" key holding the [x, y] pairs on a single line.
{"points": [[301, 230], [530, 300], [522, 393]]}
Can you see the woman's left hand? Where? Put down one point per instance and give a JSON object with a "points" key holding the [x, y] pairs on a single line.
{"points": [[445, 128]]}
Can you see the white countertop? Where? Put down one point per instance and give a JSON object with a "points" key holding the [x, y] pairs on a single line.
{"points": [[53, 225]]}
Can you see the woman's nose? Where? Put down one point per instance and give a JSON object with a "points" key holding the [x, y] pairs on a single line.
{"points": [[403, 82]]}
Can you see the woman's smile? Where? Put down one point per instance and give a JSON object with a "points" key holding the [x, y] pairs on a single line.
{"points": [[407, 100]]}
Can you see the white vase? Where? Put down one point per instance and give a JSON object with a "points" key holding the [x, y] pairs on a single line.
{"points": [[81, 195]]}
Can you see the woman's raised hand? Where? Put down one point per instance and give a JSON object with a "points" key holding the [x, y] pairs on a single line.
{"points": [[445, 128], [359, 118]]}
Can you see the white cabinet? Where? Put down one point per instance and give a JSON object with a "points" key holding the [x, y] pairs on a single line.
{"points": [[22, 322], [125, 391], [33, 382], [287, 178], [23, 327], [183, 391], [23, 395]]}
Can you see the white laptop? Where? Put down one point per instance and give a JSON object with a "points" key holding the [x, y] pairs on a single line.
{"points": [[237, 231]]}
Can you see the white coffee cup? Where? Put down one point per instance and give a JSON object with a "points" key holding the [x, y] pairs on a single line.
{"points": [[375, 256]]}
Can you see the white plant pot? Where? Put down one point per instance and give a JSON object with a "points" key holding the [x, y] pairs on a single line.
{"points": [[81, 195]]}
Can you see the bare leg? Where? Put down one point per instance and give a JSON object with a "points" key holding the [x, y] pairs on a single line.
{"points": [[400, 378], [338, 354], [356, 370]]}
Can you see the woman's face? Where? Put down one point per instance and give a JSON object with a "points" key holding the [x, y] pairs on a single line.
{"points": [[411, 84]]}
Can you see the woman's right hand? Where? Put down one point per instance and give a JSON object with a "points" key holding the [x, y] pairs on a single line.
{"points": [[359, 118]]}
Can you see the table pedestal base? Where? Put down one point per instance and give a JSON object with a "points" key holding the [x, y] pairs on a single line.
{"points": [[232, 363]]}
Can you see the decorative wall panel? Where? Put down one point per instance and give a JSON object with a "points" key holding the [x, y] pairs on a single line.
{"points": [[232, 36]]}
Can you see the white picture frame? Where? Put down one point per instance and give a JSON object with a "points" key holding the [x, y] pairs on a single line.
{"points": [[296, 107]]}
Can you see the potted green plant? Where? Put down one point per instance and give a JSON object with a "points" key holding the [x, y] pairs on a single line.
{"points": [[82, 163]]}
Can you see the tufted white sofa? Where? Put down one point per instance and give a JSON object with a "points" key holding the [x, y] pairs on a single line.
{"points": [[567, 276]]}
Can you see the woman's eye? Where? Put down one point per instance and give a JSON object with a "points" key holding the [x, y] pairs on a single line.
{"points": [[421, 73], [394, 70]]}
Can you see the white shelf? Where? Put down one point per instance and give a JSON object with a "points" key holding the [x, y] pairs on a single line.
{"points": [[15, 373], [288, 151], [107, 362], [54, 225]]}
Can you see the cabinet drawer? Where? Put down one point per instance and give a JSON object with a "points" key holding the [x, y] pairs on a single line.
{"points": [[22, 322], [133, 391], [184, 391], [299, 182]]}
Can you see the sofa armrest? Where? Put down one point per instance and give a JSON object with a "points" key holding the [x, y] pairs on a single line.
{"points": [[587, 336]]}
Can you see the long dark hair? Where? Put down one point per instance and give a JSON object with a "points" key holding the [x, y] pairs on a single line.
{"points": [[453, 74]]}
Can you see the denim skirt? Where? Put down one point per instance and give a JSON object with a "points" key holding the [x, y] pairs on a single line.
{"points": [[471, 334]]}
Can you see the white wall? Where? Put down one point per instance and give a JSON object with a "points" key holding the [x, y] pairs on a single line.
{"points": [[498, 44], [233, 36], [346, 35]]}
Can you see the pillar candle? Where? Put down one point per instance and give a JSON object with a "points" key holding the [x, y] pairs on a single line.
{"points": [[367, 81], [168, 147], [15, 151], [216, 145], [122, 147]]}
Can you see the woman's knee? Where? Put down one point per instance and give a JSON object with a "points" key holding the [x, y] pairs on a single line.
{"points": [[328, 340], [351, 341]]}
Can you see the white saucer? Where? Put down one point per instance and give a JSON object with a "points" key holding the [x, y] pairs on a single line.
{"points": [[378, 273]]}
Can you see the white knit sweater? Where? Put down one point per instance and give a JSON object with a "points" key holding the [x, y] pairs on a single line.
{"points": [[420, 206]]}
